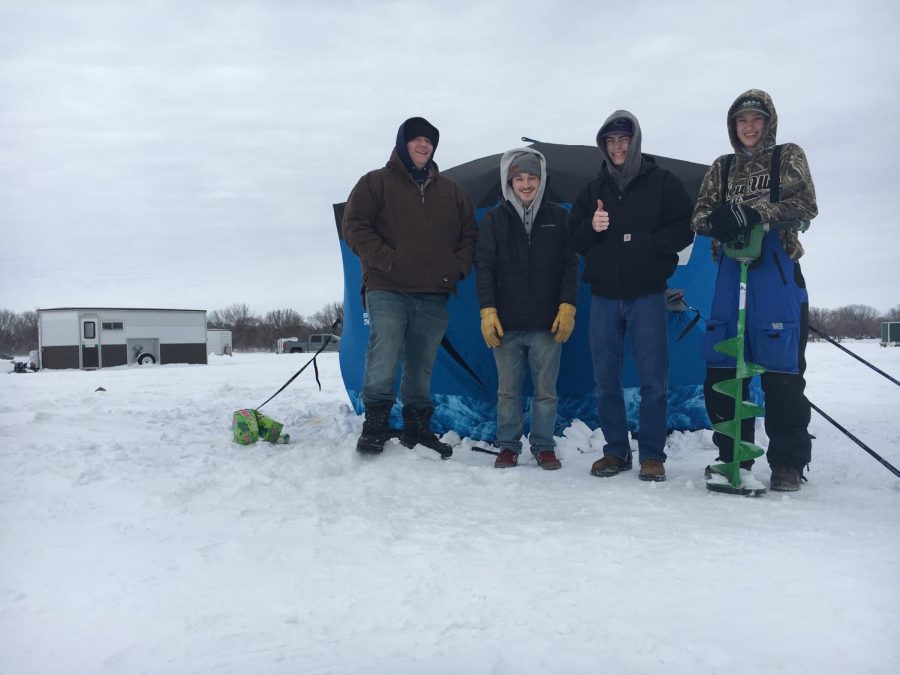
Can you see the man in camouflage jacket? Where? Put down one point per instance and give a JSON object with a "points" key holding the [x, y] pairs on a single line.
{"points": [[760, 182]]}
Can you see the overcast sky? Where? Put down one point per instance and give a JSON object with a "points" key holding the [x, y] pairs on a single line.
{"points": [[187, 154]]}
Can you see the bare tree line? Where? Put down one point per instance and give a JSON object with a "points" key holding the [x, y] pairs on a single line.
{"points": [[850, 321], [19, 330], [19, 333], [250, 331]]}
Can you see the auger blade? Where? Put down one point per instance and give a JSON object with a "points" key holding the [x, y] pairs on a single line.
{"points": [[747, 369], [731, 388], [747, 450], [732, 346]]}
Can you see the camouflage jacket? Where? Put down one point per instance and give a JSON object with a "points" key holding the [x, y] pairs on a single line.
{"points": [[748, 181]]}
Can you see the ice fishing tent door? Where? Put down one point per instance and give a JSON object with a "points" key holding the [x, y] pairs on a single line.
{"points": [[90, 341]]}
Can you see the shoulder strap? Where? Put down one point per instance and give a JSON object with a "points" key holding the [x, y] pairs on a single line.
{"points": [[726, 169], [775, 175]]}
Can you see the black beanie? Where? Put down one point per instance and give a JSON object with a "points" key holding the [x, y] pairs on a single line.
{"points": [[419, 126]]}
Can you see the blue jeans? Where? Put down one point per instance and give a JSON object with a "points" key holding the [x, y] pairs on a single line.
{"points": [[540, 352], [644, 321], [404, 328]]}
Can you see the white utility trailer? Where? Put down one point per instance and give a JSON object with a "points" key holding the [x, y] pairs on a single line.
{"points": [[218, 341], [100, 337], [890, 334]]}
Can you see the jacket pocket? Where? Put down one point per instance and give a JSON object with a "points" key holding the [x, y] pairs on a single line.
{"points": [[776, 346], [716, 331]]}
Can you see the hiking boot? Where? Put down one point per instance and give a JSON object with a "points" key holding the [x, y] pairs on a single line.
{"points": [[375, 429], [610, 465], [785, 479], [547, 460], [417, 429], [652, 470], [506, 459]]}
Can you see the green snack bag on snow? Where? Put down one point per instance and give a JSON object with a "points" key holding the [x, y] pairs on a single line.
{"points": [[249, 425], [269, 429], [244, 427]]}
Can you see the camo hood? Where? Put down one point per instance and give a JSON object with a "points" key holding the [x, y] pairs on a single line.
{"points": [[768, 136]]}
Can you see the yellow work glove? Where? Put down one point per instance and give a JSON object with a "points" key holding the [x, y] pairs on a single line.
{"points": [[490, 327], [564, 323]]}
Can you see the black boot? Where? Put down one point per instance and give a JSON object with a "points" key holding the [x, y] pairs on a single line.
{"points": [[375, 429], [417, 429]]}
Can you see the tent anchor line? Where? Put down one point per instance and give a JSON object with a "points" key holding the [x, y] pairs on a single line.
{"points": [[827, 338], [337, 322], [890, 467]]}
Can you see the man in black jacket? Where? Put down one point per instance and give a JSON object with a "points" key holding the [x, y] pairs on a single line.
{"points": [[526, 279], [629, 224]]}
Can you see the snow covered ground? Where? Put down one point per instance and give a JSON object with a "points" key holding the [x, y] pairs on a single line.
{"points": [[136, 537]]}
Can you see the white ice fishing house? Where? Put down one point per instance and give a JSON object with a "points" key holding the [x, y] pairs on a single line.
{"points": [[95, 337], [218, 341]]}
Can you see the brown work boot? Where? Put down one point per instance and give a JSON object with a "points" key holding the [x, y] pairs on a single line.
{"points": [[506, 459], [785, 479], [547, 460], [652, 470], [610, 465]]}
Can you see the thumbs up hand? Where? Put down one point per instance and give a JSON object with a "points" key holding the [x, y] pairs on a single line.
{"points": [[600, 221]]}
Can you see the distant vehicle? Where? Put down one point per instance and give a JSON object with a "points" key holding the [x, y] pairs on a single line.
{"points": [[293, 345]]}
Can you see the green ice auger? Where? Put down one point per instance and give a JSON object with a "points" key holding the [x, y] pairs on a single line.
{"points": [[745, 249]]}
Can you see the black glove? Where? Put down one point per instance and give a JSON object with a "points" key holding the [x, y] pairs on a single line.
{"points": [[727, 222]]}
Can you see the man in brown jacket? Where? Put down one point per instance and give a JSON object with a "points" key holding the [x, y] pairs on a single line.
{"points": [[414, 232]]}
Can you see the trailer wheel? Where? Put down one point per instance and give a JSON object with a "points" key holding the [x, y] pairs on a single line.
{"points": [[296, 350], [146, 358]]}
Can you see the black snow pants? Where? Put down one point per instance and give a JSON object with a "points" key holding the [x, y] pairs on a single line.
{"points": [[787, 410]]}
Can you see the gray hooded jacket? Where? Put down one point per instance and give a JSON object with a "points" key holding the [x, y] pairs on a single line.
{"points": [[525, 277]]}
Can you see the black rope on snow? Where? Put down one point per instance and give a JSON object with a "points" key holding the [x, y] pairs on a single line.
{"points": [[337, 322], [855, 356], [853, 438]]}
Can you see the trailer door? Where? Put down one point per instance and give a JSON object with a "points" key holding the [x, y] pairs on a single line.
{"points": [[90, 341]]}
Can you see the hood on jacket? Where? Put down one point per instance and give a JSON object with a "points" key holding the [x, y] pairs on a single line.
{"points": [[632, 159], [768, 135], [505, 187], [416, 126]]}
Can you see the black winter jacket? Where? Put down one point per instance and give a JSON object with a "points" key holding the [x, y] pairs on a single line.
{"points": [[648, 224], [525, 281]]}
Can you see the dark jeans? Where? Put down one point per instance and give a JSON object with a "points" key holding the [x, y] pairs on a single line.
{"points": [[405, 331], [787, 411], [644, 321]]}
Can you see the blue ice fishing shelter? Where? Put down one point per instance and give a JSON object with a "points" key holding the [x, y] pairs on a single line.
{"points": [[464, 380]]}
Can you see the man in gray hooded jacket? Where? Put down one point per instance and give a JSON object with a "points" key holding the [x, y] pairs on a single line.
{"points": [[527, 279], [629, 224]]}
